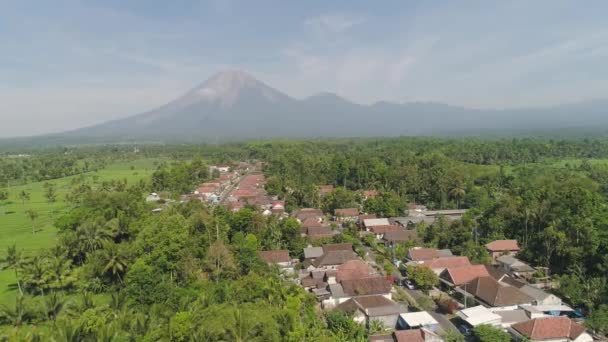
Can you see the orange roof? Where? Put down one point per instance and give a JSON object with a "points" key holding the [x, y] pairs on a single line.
{"points": [[461, 275], [354, 269], [413, 335], [311, 222], [549, 328], [325, 189], [502, 245]]}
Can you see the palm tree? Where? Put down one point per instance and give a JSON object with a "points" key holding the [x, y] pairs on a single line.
{"points": [[37, 273], [14, 260], [115, 262], [18, 314], [92, 236], [53, 305], [33, 215], [24, 196], [68, 331], [457, 193]]}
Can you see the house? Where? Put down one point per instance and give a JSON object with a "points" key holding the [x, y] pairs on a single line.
{"points": [[510, 317], [419, 254], [333, 258], [550, 329], [416, 320], [379, 231], [417, 208], [479, 315], [515, 266], [373, 308], [416, 335], [346, 215], [311, 253], [319, 232], [411, 221], [401, 236], [306, 213], [493, 293], [449, 213], [502, 247], [540, 297], [219, 168], [438, 265], [461, 275], [278, 207], [278, 257], [361, 287], [371, 222], [354, 269]]}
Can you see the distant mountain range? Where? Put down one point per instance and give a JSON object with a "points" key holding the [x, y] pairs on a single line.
{"points": [[233, 105]]}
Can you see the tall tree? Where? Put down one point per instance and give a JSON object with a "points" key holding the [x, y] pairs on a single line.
{"points": [[14, 259], [32, 215]]}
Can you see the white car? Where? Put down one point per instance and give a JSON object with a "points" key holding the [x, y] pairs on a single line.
{"points": [[408, 283]]}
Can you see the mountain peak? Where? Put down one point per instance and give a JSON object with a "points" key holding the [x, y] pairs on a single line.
{"points": [[226, 87]]}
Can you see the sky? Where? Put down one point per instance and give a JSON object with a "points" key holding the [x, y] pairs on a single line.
{"points": [[65, 64]]}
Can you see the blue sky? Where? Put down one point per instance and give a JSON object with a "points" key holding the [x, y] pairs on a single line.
{"points": [[69, 63]]}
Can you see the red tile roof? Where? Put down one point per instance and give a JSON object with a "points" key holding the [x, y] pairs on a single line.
{"points": [[274, 256], [354, 269], [461, 275], [370, 193], [337, 247], [311, 222], [549, 328], [325, 189], [502, 245]]}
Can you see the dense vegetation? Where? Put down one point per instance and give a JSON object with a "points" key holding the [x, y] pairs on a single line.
{"points": [[192, 273]]}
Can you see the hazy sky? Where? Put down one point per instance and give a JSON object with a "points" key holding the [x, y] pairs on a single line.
{"points": [[69, 63]]}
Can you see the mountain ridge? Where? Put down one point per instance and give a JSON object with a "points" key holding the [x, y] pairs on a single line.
{"points": [[234, 105]]}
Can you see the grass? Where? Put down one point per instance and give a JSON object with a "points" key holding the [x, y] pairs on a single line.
{"points": [[16, 227]]}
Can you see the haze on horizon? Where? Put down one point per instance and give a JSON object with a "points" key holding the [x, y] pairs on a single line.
{"points": [[72, 63]]}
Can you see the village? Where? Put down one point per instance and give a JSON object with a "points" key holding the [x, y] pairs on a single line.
{"points": [[416, 298]]}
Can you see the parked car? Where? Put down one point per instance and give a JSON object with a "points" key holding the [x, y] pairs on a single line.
{"points": [[465, 329], [408, 283]]}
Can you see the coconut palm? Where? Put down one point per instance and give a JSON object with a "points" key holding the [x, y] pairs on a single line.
{"points": [[114, 261], [16, 315], [36, 272], [457, 192], [32, 215], [13, 259], [53, 305], [92, 236]]}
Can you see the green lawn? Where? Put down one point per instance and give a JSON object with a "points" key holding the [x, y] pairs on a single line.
{"points": [[16, 227]]}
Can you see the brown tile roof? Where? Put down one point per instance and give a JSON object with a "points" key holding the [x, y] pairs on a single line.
{"points": [[412, 335], [372, 306], [354, 269], [306, 213], [549, 328], [366, 286], [418, 254], [275, 256], [311, 222], [337, 247], [400, 236], [462, 275], [385, 228], [347, 212], [334, 258], [366, 216], [502, 245], [493, 293], [318, 232], [447, 262]]}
